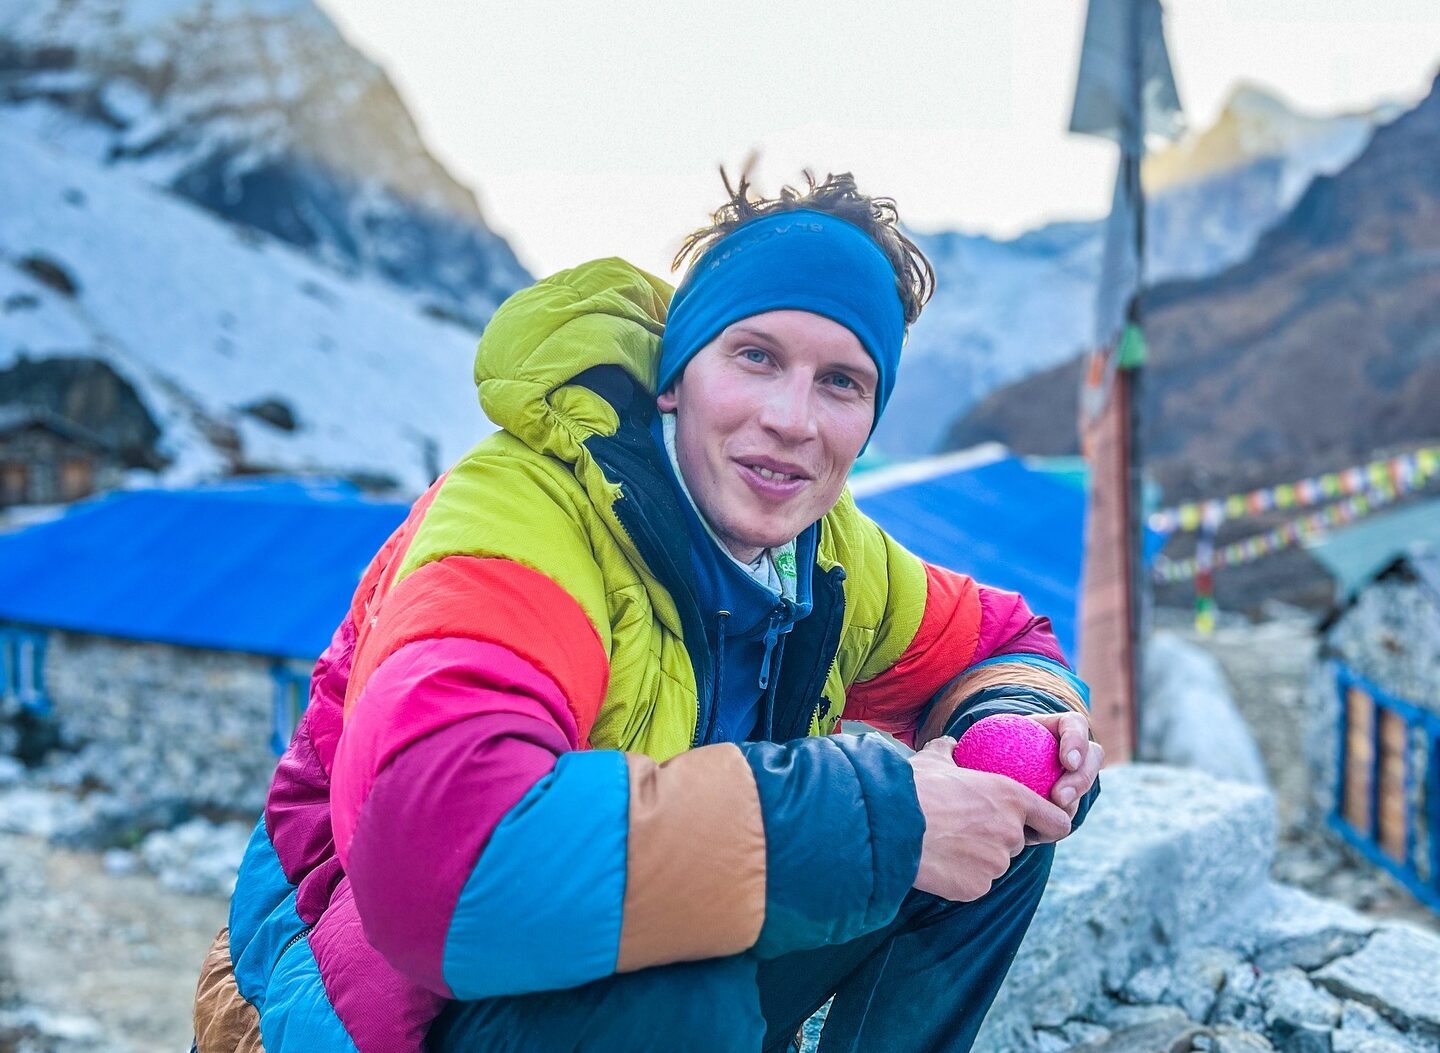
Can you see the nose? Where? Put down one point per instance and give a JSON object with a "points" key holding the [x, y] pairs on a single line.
{"points": [[788, 410]]}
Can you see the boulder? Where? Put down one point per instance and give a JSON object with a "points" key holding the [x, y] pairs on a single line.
{"points": [[1190, 717], [1164, 853]]}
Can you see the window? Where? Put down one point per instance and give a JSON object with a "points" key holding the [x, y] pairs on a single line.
{"points": [[1387, 801], [14, 483], [77, 478]]}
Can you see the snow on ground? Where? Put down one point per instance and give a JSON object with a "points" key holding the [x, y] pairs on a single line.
{"points": [[204, 318]]}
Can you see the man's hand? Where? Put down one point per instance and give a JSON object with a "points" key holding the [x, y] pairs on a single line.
{"points": [[1081, 758], [975, 823]]}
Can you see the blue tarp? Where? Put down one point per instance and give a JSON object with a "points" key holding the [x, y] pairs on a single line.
{"points": [[269, 568], [266, 568], [999, 521]]}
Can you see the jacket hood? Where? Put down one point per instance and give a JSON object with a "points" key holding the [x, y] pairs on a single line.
{"points": [[602, 313]]}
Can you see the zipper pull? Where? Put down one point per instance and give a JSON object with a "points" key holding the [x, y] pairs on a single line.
{"points": [[772, 633], [718, 679]]}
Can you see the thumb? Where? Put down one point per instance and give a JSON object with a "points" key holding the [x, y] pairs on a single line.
{"points": [[940, 744]]}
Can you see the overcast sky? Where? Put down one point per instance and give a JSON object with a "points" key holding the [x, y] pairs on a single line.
{"points": [[596, 128]]}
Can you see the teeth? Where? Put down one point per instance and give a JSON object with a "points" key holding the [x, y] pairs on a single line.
{"points": [[766, 473]]}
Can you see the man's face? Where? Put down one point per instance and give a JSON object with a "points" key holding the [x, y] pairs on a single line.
{"points": [[769, 418]]}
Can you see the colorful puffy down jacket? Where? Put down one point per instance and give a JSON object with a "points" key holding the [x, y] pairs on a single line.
{"points": [[497, 788]]}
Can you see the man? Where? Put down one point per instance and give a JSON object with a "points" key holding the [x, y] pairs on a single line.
{"points": [[569, 764]]}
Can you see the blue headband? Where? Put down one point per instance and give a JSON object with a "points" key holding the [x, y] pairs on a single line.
{"points": [[798, 260]]}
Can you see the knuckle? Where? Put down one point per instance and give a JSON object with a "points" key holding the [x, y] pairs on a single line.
{"points": [[1000, 830]]}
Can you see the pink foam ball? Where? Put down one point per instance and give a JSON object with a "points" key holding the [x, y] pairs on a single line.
{"points": [[1009, 744]]}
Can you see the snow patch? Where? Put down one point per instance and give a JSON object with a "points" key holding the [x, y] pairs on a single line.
{"points": [[203, 322]]}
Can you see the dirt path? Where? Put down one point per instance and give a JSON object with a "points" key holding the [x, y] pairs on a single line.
{"points": [[119, 949]]}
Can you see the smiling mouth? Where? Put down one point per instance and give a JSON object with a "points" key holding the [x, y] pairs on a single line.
{"points": [[772, 483], [766, 473]]}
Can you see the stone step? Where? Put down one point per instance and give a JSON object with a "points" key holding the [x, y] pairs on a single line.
{"points": [[1165, 853]]}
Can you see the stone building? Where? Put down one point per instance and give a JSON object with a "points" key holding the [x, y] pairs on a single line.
{"points": [[165, 638], [46, 459], [1375, 695]]}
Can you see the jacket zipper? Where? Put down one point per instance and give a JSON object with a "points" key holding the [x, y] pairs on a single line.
{"points": [[717, 681], [294, 940], [835, 579], [768, 725], [772, 633]]}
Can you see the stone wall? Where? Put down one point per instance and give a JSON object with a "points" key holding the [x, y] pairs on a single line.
{"points": [[154, 722], [1391, 637]]}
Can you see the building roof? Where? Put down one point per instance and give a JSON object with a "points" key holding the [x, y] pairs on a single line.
{"points": [[1420, 563], [269, 567], [16, 417], [266, 568], [1356, 554], [989, 515]]}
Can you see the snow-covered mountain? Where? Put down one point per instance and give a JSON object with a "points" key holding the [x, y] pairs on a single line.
{"points": [[1319, 349], [244, 351], [261, 112], [1006, 309], [1254, 123]]}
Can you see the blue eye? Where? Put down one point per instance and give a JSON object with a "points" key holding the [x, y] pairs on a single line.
{"points": [[843, 381], [754, 354]]}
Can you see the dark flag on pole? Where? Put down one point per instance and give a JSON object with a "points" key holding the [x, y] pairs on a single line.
{"points": [[1126, 93]]}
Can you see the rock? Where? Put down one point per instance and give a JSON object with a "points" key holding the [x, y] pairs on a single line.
{"points": [[1238, 1003], [1128, 1017], [1363, 1030], [1190, 717], [11, 771], [1302, 1039], [1147, 985], [113, 820], [31, 1028], [1395, 973], [1079, 1032], [198, 857], [1343, 1043], [1047, 1041], [1292, 1001], [810, 1032], [41, 813], [1157, 1036], [1165, 852], [1279, 925], [1197, 978], [1228, 1040], [118, 861]]}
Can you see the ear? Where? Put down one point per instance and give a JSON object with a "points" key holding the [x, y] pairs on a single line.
{"points": [[667, 402]]}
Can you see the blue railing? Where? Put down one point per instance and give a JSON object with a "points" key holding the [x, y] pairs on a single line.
{"points": [[292, 695], [22, 669], [1417, 868]]}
